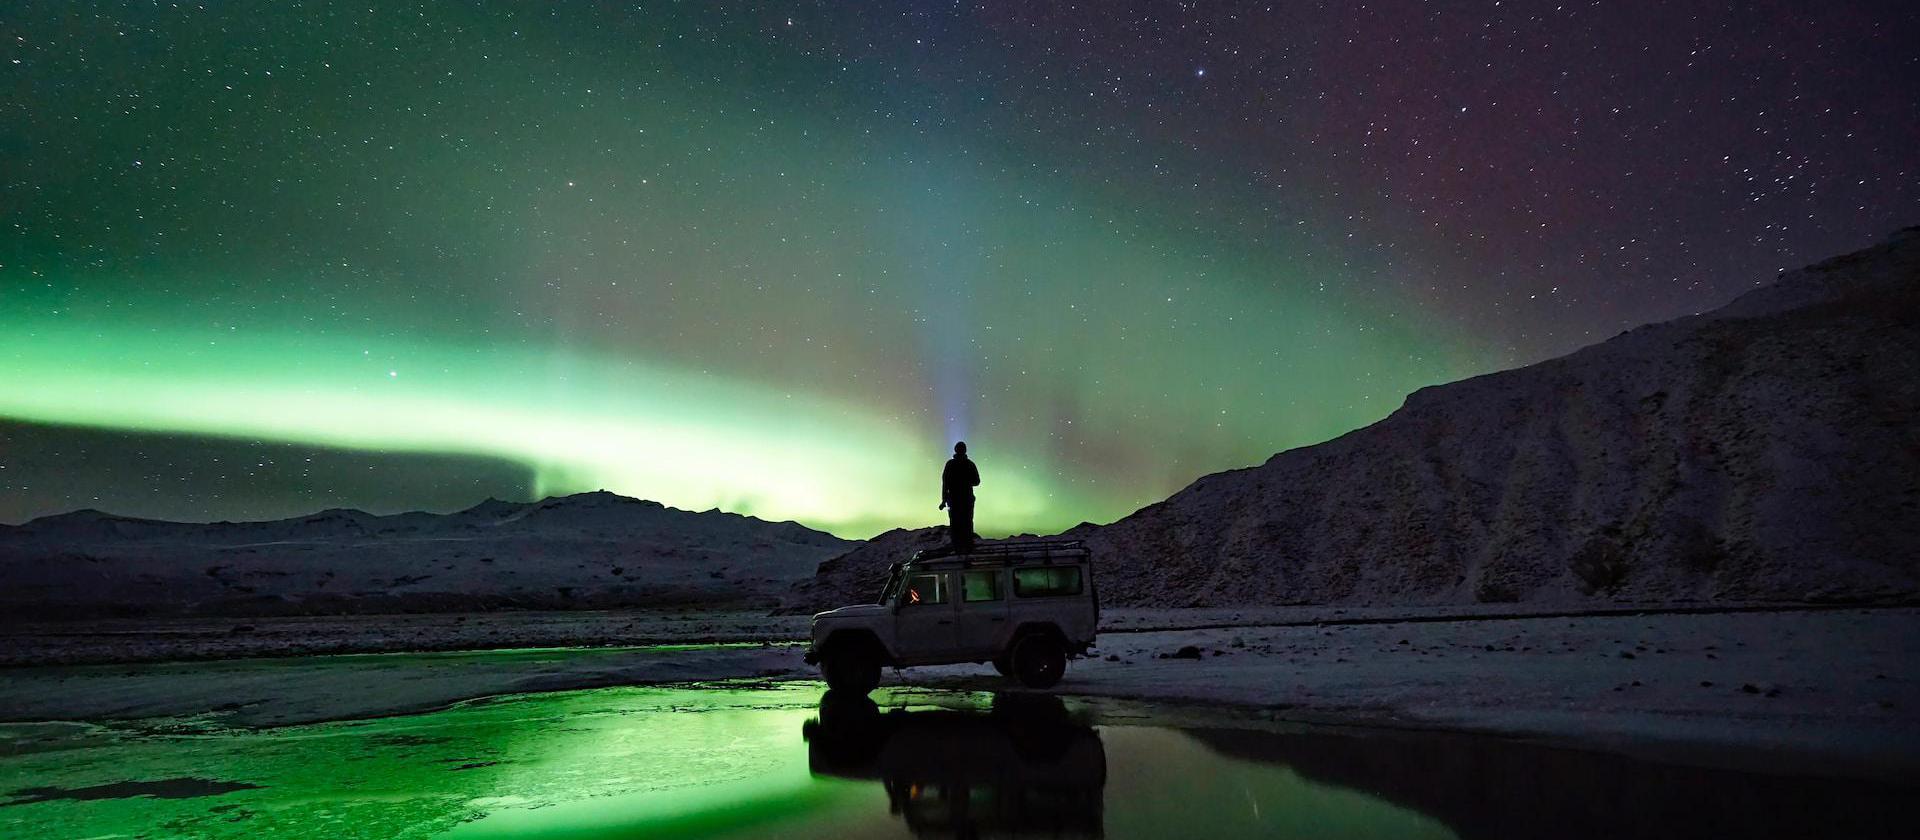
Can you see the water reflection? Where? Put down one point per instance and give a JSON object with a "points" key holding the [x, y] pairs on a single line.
{"points": [[1498, 788], [1025, 767], [721, 762]]}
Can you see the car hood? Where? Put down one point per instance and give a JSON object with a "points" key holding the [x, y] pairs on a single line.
{"points": [[855, 611]]}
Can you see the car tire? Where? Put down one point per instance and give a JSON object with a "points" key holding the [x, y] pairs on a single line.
{"points": [[1003, 665], [842, 712], [854, 671], [1039, 661]]}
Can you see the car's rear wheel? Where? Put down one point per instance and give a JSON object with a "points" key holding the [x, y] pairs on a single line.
{"points": [[853, 670], [1039, 661]]}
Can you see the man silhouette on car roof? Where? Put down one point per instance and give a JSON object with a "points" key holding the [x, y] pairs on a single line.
{"points": [[956, 496]]}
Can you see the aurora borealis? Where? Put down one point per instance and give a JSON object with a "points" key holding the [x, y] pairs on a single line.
{"points": [[774, 258]]}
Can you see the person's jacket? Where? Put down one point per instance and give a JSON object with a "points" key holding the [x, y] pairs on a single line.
{"points": [[958, 479]]}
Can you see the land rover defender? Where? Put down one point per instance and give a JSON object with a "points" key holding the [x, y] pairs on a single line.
{"points": [[1024, 605]]}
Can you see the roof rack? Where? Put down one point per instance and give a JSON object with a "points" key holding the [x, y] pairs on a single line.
{"points": [[988, 550]]}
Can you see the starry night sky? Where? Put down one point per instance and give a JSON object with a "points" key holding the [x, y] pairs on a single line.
{"points": [[265, 258]]}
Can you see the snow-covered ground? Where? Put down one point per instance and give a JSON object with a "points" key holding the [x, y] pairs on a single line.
{"points": [[1833, 691], [1840, 689], [183, 639], [154, 640]]}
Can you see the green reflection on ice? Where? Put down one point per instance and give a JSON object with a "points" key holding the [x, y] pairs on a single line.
{"points": [[624, 762]]}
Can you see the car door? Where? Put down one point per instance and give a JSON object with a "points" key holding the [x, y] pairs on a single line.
{"points": [[983, 612], [924, 626]]}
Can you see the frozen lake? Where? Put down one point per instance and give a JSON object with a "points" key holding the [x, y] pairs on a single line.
{"points": [[779, 760]]}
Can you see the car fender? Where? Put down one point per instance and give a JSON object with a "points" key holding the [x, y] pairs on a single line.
{"points": [[1044, 628]]}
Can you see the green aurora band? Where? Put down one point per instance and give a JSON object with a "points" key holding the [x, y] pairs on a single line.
{"points": [[779, 288]]}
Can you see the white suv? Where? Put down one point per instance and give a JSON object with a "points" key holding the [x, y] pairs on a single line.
{"points": [[1025, 606]]}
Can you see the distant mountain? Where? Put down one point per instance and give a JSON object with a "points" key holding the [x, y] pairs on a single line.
{"points": [[593, 550], [1769, 450]]}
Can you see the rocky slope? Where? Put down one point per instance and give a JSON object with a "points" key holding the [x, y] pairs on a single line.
{"points": [[856, 576], [592, 550], [1769, 450]]}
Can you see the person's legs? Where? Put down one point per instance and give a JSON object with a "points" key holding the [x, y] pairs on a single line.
{"points": [[960, 524]]}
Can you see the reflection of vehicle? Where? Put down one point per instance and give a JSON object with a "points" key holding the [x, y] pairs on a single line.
{"points": [[1025, 606], [1026, 767]]}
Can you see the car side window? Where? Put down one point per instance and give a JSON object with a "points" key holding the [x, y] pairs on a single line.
{"points": [[1045, 581], [925, 589], [980, 586]]}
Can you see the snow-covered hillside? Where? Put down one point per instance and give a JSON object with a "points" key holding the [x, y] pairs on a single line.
{"points": [[585, 551], [1769, 450]]}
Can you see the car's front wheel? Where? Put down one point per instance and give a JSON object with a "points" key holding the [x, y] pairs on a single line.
{"points": [[1039, 661], [853, 670]]}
